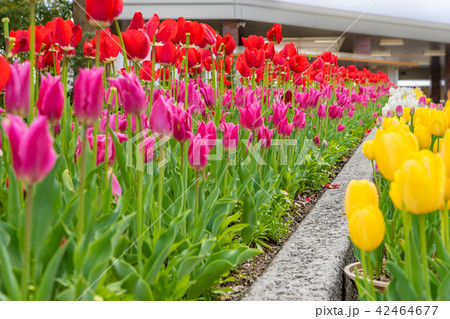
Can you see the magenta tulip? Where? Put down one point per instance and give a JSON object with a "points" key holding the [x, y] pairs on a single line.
{"points": [[230, 136], [299, 120], [17, 91], [284, 128], [265, 137], [181, 124], [340, 127], [161, 115], [251, 118], [149, 144], [32, 150], [51, 98], [198, 152], [131, 93], [279, 112], [88, 95], [208, 133]]}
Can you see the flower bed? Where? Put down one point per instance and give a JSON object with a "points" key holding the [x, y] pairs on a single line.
{"points": [[402, 220], [154, 181]]}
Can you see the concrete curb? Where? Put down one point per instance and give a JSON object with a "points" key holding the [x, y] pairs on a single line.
{"points": [[310, 264]]}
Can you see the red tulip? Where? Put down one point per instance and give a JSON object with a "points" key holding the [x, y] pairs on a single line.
{"points": [[21, 43], [209, 38], [254, 58], [166, 54], [101, 13], [5, 72], [269, 50], [109, 46], [145, 73], [278, 59], [194, 57], [226, 45], [88, 93], [167, 31], [253, 42], [181, 31], [89, 48], [137, 44], [196, 32], [290, 50], [51, 98], [66, 34], [50, 60], [152, 26], [275, 34], [137, 23], [298, 64], [161, 115], [242, 67], [32, 150]]}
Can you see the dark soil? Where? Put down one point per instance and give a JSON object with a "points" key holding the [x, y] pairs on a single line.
{"points": [[249, 271]]}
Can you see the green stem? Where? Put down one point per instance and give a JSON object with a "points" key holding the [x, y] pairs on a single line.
{"points": [[27, 241], [122, 44], [375, 177], [444, 226], [160, 183], [424, 253], [365, 274], [186, 72], [80, 227], [32, 55], [97, 48], [140, 216], [196, 210]]}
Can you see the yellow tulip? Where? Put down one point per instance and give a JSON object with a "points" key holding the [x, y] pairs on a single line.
{"points": [[445, 152], [392, 147], [366, 227], [368, 149], [390, 121], [446, 194], [419, 184], [447, 113], [438, 143], [360, 194], [438, 122], [423, 135], [406, 114], [422, 116]]}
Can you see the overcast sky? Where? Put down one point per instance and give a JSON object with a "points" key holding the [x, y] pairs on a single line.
{"points": [[427, 10]]}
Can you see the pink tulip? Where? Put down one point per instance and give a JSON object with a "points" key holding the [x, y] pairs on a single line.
{"points": [[122, 122], [399, 110], [265, 136], [316, 140], [375, 114], [88, 95], [340, 127], [149, 144], [181, 124], [198, 152], [279, 112], [299, 120], [161, 115], [17, 91], [116, 188], [285, 129], [230, 136], [131, 93], [144, 122], [251, 118], [101, 143], [322, 111], [51, 98], [208, 133], [32, 150]]}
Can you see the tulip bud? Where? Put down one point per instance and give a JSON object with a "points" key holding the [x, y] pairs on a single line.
{"points": [[399, 110], [230, 136], [366, 227], [161, 115], [438, 122], [420, 168], [88, 95], [299, 120], [51, 98], [181, 124], [17, 91]]}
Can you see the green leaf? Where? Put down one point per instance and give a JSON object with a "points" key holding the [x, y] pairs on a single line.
{"points": [[399, 287], [249, 218], [45, 287], [10, 280]]}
